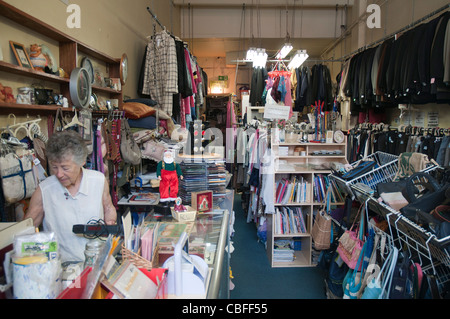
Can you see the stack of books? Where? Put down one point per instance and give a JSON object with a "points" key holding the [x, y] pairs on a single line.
{"points": [[283, 251]]}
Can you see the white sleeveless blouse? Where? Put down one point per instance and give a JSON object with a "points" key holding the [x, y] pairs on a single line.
{"points": [[62, 211]]}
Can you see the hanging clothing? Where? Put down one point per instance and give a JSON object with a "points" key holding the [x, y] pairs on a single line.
{"points": [[161, 71]]}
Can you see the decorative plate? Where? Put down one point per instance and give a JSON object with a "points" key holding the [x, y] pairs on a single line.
{"points": [[339, 137]]}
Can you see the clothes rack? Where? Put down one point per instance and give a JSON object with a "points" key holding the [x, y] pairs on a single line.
{"points": [[155, 18], [392, 35]]}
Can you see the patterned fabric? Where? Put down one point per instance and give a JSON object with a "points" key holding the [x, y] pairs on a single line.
{"points": [[161, 71]]}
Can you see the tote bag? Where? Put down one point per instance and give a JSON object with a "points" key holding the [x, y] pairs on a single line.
{"points": [[322, 232]]}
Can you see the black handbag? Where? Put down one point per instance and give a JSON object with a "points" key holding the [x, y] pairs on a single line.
{"points": [[420, 204]]}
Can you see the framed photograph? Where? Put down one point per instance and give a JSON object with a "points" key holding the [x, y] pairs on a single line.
{"points": [[202, 201], [21, 55], [329, 137]]}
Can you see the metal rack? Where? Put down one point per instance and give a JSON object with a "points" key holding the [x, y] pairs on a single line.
{"points": [[430, 252], [385, 172]]}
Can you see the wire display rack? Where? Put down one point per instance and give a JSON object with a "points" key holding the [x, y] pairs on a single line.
{"points": [[431, 252], [387, 167]]}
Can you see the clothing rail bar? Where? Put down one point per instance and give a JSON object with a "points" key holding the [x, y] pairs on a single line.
{"points": [[408, 27], [155, 17]]}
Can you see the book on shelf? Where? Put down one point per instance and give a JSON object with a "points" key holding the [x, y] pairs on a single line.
{"points": [[289, 220], [322, 183], [292, 191]]}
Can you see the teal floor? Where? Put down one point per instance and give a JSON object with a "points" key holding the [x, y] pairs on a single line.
{"points": [[254, 278]]}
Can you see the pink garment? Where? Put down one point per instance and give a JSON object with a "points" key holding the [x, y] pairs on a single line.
{"points": [[182, 113], [186, 105]]}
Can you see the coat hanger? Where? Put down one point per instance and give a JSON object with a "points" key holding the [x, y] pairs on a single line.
{"points": [[74, 121], [30, 127]]}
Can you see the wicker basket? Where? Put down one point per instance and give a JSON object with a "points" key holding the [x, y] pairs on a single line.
{"points": [[140, 261], [187, 216]]}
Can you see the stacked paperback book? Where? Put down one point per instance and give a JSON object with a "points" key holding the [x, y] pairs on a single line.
{"points": [[283, 251], [203, 175]]}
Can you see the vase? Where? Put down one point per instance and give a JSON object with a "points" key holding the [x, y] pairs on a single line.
{"points": [[282, 135]]}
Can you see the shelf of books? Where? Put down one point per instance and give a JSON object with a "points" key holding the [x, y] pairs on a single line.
{"points": [[301, 183]]}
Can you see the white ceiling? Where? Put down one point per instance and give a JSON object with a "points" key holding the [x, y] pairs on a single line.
{"points": [[217, 28]]}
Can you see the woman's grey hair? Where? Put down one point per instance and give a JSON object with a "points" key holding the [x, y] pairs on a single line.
{"points": [[63, 145]]}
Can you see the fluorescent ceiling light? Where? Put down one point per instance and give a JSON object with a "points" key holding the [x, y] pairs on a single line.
{"points": [[251, 53], [300, 57], [284, 51], [260, 58]]}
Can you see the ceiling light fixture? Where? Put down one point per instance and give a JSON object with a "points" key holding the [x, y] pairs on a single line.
{"points": [[300, 57], [260, 58], [285, 50], [251, 53]]}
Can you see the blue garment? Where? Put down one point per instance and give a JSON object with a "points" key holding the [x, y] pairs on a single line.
{"points": [[282, 88]]}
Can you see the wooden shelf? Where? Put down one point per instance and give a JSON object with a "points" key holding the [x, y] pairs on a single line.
{"points": [[69, 52], [18, 70]]}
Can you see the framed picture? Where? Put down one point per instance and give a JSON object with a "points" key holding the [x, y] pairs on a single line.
{"points": [[202, 201], [21, 55], [329, 137]]}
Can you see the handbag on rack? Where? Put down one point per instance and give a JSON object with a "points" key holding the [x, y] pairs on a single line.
{"points": [[153, 150], [410, 163], [18, 181], [351, 242], [353, 280], [402, 286], [378, 287], [322, 232], [129, 149], [432, 197]]}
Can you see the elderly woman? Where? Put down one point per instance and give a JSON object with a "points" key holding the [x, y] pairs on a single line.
{"points": [[71, 195]]}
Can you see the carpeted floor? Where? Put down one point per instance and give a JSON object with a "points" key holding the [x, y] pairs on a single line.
{"points": [[253, 276]]}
